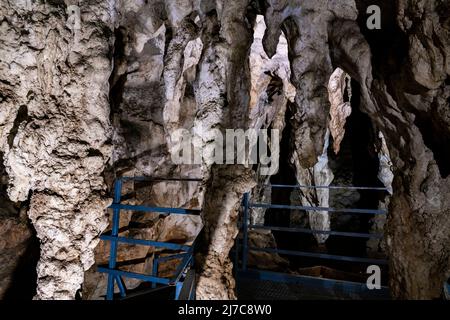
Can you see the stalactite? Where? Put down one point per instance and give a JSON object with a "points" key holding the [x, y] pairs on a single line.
{"points": [[201, 65]]}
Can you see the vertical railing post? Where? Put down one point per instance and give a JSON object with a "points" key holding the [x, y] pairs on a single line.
{"points": [[194, 287], [236, 254], [178, 287], [114, 233], [245, 231], [121, 286], [236, 262], [155, 269]]}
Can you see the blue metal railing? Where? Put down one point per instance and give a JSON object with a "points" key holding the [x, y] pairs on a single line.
{"points": [[245, 227], [115, 275]]}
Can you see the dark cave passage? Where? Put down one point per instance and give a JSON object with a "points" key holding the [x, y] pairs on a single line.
{"points": [[356, 164], [19, 258], [24, 277]]}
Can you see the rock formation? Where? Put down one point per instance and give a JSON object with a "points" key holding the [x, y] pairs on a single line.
{"points": [[91, 90], [55, 130]]}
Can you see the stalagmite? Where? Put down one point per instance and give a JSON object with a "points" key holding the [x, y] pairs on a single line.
{"points": [[59, 151], [340, 109], [94, 90]]}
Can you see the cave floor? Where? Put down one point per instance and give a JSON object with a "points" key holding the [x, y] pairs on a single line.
{"points": [[252, 289], [269, 290]]}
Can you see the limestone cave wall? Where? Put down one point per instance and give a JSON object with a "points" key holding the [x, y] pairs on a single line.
{"points": [[91, 90]]}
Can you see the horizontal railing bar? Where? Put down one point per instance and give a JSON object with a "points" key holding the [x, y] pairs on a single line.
{"points": [[134, 275], [306, 208], [320, 255], [168, 245], [333, 233], [142, 178], [297, 186], [325, 283], [145, 292], [155, 209]]}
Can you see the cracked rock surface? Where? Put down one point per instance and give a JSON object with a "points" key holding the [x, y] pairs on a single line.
{"points": [[54, 132]]}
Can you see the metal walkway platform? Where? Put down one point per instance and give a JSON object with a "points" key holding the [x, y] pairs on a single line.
{"points": [[257, 285]]}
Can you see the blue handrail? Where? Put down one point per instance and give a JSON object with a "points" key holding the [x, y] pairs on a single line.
{"points": [[319, 255], [298, 186], [141, 178], [115, 275], [155, 209], [143, 242], [310, 231], [245, 227], [308, 208]]}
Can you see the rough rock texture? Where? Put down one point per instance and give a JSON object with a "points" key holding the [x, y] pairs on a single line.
{"points": [[15, 241], [405, 93], [340, 109], [386, 176], [416, 131], [319, 175], [173, 228], [270, 80], [172, 71], [306, 24], [220, 213], [140, 85], [54, 131], [270, 93], [197, 65]]}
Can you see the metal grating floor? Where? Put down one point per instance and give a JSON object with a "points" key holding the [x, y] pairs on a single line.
{"points": [[250, 286], [268, 290]]}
